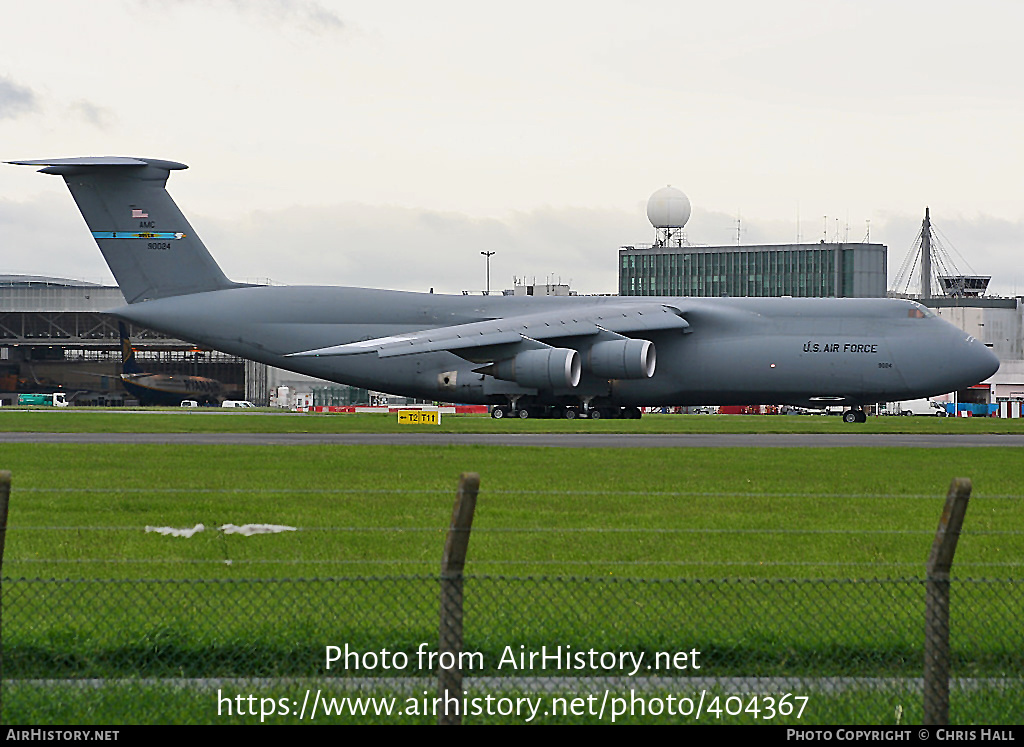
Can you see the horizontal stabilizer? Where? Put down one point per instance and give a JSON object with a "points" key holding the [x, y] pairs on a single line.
{"points": [[145, 239], [101, 161]]}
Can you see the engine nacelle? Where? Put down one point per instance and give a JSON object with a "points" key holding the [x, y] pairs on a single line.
{"points": [[551, 368], [622, 359]]}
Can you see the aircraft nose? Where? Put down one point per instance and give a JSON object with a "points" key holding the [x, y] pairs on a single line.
{"points": [[970, 361], [945, 361], [978, 361]]}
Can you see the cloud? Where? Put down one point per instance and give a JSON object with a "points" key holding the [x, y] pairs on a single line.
{"points": [[45, 235], [308, 15], [381, 246], [98, 116], [15, 100], [414, 249], [311, 14]]}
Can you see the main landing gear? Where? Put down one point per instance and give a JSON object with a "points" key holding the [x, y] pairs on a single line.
{"points": [[854, 416], [570, 412]]}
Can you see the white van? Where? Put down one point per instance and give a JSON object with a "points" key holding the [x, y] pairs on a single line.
{"points": [[916, 407], [237, 403], [189, 403]]}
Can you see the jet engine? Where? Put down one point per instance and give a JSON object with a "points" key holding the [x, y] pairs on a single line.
{"points": [[621, 359], [550, 368]]}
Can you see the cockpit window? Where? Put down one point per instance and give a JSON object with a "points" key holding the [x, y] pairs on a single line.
{"points": [[919, 312]]}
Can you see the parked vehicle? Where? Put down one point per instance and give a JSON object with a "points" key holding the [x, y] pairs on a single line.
{"points": [[56, 399], [237, 403], [916, 407]]}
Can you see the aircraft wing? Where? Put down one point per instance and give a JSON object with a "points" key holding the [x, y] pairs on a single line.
{"points": [[541, 326]]}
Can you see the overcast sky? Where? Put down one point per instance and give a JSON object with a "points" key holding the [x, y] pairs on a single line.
{"points": [[387, 144]]}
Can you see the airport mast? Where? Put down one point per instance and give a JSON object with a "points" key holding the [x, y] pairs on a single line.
{"points": [[933, 254], [488, 255], [926, 255]]}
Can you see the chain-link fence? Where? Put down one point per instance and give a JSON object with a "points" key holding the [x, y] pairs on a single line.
{"points": [[480, 648], [535, 649]]}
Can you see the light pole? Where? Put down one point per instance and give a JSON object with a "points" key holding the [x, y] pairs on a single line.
{"points": [[488, 255]]}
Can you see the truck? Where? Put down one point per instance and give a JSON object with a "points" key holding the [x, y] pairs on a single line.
{"points": [[916, 407], [54, 399]]}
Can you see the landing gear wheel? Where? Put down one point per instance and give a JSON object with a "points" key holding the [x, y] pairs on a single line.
{"points": [[498, 413], [596, 414], [850, 416], [862, 417], [523, 413], [570, 413], [632, 413]]}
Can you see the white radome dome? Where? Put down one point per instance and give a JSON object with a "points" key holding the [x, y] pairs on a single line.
{"points": [[668, 208]]}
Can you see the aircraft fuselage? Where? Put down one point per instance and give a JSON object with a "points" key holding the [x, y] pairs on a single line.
{"points": [[736, 350]]}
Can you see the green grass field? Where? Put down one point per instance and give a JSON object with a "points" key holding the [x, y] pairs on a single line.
{"points": [[801, 563], [698, 512]]}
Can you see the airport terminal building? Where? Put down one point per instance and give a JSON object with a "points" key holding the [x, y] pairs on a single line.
{"points": [[671, 266], [758, 270]]}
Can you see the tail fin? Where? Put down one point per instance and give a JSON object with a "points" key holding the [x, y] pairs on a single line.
{"points": [[145, 239], [128, 364]]}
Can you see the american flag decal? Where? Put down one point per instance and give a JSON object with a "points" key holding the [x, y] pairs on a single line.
{"points": [[139, 214]]}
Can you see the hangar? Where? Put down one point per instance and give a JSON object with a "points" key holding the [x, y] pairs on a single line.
{"points": [[55, 336]]}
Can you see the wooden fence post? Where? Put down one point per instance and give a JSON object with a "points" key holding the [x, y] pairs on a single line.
{"points": [[449, 679], [936, 609]]}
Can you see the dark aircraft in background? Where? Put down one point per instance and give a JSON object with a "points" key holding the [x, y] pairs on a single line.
{"points": [[525, 355], [163, 389]]}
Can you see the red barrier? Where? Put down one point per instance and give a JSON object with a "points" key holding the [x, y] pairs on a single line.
{"points": [[361, 409]]}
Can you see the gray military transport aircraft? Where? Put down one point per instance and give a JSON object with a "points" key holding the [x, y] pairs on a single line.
{"points": [[525, 356]]}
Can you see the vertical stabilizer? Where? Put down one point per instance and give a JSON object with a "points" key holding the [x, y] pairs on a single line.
{"points": [[145, 239]]}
